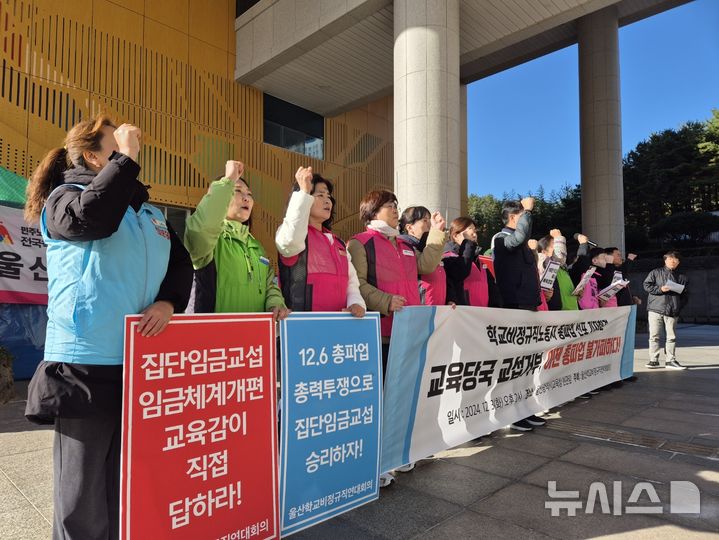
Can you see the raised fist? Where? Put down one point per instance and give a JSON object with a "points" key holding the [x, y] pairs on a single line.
{"points": [[438, 222], [528, 203], [234, 170], [555, 233], [128, 139], [304, 179]]}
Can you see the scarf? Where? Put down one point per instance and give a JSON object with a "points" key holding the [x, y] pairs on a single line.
{"points": [[382, 227]]}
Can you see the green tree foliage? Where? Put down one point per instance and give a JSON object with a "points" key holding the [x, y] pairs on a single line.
{"points": [[557, 210], [685, 228], [672, 172], [486, 211]]}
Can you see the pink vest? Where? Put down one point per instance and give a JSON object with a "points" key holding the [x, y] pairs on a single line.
{"points": [[316, 279], [392, 269], [612, 302], [433, 287], [588, 300], [475, 286], [543, 306]]}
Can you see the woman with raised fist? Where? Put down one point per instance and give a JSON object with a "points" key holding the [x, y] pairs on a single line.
{"points": [[315, 269], [109, 254], [232, 271]]}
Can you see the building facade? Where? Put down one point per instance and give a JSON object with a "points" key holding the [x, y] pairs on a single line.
{"points": [[168, 66]]}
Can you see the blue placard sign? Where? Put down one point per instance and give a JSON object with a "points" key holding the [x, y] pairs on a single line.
{"points": [[331, 414]]}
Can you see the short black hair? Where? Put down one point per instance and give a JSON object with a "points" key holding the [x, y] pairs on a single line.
{"points": [[411, 216], [319, 179], [510, 208], [595, 252], [611, 250], [674, 254]]}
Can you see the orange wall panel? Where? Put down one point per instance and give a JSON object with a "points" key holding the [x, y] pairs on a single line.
{"points": [[168, 66]]}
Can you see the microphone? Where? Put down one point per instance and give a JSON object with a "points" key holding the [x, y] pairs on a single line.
{"points": [[576, 237]]}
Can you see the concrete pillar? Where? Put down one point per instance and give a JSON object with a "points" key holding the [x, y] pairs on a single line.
{"points": [[427, 105], [600, 128]]}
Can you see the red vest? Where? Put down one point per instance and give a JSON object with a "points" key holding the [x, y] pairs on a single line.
{"points": [[433, 287], [316, 279], [476, 288], [391, 269]]}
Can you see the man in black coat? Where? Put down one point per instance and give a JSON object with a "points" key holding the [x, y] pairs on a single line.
{"points": [[515, 266], [516, 271], [667, 288]]}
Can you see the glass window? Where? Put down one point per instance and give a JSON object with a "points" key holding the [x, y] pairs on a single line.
{"points": [[294, 128], [243, 5]]}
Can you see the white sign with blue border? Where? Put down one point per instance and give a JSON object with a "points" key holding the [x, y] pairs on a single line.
{"points": [[331, 416]]}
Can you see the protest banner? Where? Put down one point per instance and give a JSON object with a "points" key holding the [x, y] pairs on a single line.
{"points": [[331, 413], [23, 264], [199, 452], [456, 374]]}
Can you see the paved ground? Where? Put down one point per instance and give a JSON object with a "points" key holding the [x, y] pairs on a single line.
{"points": [[662, 428]]}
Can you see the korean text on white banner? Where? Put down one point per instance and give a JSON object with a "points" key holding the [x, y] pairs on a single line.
{"points": [[456, 374], [23, 265], [331, 412], [199, 438]]}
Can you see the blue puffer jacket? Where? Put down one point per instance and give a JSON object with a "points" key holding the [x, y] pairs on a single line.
{"points": [[93, 284]]}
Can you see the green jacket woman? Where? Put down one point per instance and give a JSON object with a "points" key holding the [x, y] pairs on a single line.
{"points": [[232, 271]]}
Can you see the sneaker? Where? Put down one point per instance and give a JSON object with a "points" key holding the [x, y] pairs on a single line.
{"points": [[521, 425], [652, 365], [405, 468], [585, 396], [593, 392], [385, 480], [675, 365], [536, 420]]}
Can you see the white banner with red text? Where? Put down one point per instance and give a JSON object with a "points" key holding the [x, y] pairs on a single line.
{"points": [[456, 374], [23, 266]]}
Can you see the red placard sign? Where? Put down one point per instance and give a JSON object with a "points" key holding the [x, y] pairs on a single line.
{"points": [[199, 448]]}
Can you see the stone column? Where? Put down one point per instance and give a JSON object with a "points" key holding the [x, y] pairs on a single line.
{"points": [[427, 105], [600, 127]]}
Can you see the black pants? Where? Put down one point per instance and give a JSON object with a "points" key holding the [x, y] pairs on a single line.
{"points": [[86, 458], [524, 307], [385, 357]]}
